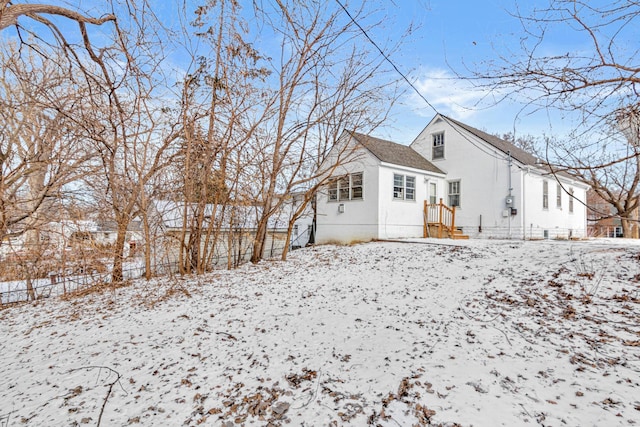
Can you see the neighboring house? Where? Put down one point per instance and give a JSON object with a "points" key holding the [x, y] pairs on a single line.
{"points": [[602, 219], [498, 190], [303, 232], [377, 191], [86, 233], [235, 226]]}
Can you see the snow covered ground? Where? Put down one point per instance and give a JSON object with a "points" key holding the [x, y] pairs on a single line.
{"points": [[480, 333]]}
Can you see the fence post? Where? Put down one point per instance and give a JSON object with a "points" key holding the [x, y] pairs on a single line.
{"points": [[440, 219], [453, 219], [424, 220]]}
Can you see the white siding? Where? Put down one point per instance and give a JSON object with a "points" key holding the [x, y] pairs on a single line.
{"points": [[402, 218], [484, 172], [359, 221], [559, 223], [377, 215]]}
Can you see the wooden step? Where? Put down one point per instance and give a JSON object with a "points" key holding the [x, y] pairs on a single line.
{"points": [[457, 235], [460, 237]]}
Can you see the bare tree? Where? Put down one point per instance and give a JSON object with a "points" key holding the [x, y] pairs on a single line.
{"points": [[611, 166], [41, 18], [322, 76], [9, 14], [39, 154], [124, 118], [218, 118], [599, 83], [529, 143]]}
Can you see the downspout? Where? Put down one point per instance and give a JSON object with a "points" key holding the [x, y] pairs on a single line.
{"points": [[510, 190]]}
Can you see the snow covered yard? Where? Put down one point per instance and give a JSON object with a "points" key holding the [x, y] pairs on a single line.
{"points": [[480, 333]]}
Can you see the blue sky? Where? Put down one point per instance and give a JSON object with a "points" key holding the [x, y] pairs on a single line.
{"points": [[449, 37], [456, 37]]}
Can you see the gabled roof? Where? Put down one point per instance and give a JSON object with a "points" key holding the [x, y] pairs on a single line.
{"points": [[506, 147], [397, 154]]}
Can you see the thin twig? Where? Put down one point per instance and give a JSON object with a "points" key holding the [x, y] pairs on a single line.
{"points": [[315, 393], [106, 398], [228, 335], [505, 335]]}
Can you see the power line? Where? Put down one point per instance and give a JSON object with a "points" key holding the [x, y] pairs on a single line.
{"points": [[384, 55], [415, 89], [453, 125]]}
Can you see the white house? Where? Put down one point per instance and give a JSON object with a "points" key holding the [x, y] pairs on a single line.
{"points": [[498, 190], [376, 191]]}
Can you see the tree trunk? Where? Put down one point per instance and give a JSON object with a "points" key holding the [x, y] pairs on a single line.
{"points": [[118, 253], [147, 246], [31, 293], [260, 239], [626, 228], [287, 242], [195, 240]]}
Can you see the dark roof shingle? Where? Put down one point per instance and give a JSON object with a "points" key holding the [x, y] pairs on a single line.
{"points": [[397, 154], [506, 147]]}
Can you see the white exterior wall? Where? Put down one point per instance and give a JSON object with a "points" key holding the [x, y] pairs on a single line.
{"points": [[359, 221], [558, 222], [484, 172], [402, 218], [377, 215]]}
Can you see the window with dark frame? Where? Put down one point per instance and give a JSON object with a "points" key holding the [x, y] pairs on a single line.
{"points": [[438, 146], [347, 187], [454, 193]]}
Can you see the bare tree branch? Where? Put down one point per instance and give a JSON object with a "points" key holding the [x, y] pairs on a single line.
{"points": [[9, 14]]}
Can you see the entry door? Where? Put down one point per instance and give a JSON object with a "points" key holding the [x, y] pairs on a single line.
{"points": [[433, 193]]}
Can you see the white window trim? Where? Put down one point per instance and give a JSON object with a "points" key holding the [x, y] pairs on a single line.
{"points": [[545, 195], [403, 187], [459, 193], [559, 196], [432, 184], [571, 197], [334, 186], [441, 144]]}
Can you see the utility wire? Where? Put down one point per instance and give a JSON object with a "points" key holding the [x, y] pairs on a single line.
{"points": [[453, 125], [415, 89], [384, 55]]}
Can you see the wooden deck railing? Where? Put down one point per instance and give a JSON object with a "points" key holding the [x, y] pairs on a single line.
{"points": [[441, 215]]}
